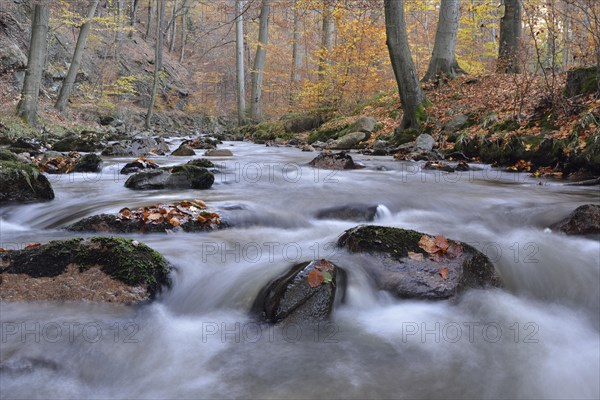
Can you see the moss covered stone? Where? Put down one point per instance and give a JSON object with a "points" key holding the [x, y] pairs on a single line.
{"points": [[125, 260], [23, 182]]}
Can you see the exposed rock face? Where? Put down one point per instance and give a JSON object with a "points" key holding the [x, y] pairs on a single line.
{"points": [[22, 182], [585, 220], [179, 177], [398, 264], [131, 268], [136, 147], [304, 294], [86, 141], [350, 212], [328, 160]]}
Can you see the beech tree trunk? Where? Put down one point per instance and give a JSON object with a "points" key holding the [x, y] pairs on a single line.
{"points": [[183, 34], [328, 30], [511, 30], [38, 48], [239, 58], [443, 59], [173, 30], [150, 16], [259, 62], [132, 14], [296, 49], [411, 95], [67, 86], [157, 58]]}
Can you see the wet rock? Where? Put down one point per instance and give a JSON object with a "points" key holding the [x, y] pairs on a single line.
{"points": [[23, 182], [201, 162], [110, 260], [141, 164], [86, 141], [424, 142], [351, 212], [202, 143], [327, 160], [88, 163], [347, 141], [178, 177], [291, 299], [133, 148], [218, 153], [184, 151], [396, 262], [109, 223], [585, 220]]}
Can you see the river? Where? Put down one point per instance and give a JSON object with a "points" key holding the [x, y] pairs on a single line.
{"points": [[536, 338]]}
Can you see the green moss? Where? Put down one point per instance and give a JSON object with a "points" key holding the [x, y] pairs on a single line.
{"points": [[507, 125], [17, 166], [370, 238], [13, 127], [7, 155]]}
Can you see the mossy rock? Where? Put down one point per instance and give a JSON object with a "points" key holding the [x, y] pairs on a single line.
{"points": [[177, 177], [23, 183], [395, 260], [405, 136], [88, 163], [507, 125], [201, 162], [124, 260], [297, 123], [85, 141], [582, 81]]}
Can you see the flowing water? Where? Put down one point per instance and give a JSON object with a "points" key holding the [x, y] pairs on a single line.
{"points": [[537, 338]]}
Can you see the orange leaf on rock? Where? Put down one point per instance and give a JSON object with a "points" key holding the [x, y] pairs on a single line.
{"points": [[174, 221], [31, 245], [428, 244], [441, 242], [454, 250], [315, 278], [324, 265], [444, 273]]}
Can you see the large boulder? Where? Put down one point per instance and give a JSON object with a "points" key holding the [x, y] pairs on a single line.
{"points": [[351, 212], [585, 220], [184, 151], [178, 177], [97, 269], [86, 141], [582, 81], [364, 124], [201, 162], [412, 265], [348, 141], [23, 182], [135, 148], [141, 164], [304, 294], [456, 124], [88, 163], [327, 160]]}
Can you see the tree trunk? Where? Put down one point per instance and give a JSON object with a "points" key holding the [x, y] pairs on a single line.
{"points": [[150, 15], [38, 48], [239, 58], [443, 60], [67, 86], [259, 62], [157, 58], [326, 38], [296, 55], [183, 35], [160, 29], [173, 31], [132, 13], [411, 95], [511, 31]]}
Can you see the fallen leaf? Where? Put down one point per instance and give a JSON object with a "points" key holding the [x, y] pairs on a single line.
{"points": [[441, 242], [327, 277], [454, 250], [154, 217], [175, 221], [324, 265], [315, 278], [31, 245], [415, 256], [428, 244], [444, 273]]}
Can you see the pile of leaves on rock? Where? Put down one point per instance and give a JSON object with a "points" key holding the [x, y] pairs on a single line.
{"points": [[174, 214]]}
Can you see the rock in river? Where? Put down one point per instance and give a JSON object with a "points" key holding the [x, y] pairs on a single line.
{"points": [[22, 182], [97, 269], [350, 212], [178, 177], [327, 160], [585, 220], [410, 264], [306, 293]]}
